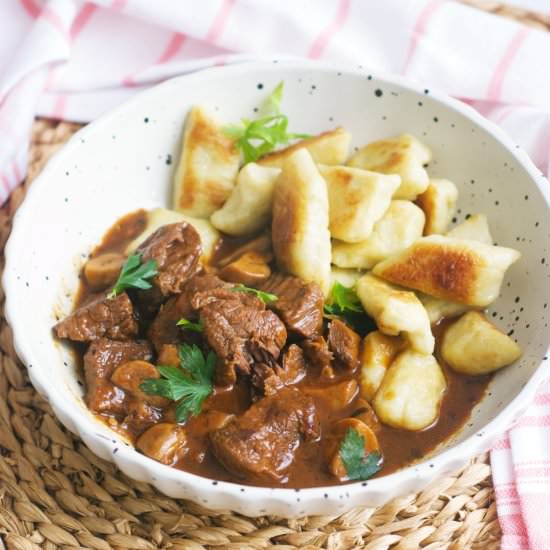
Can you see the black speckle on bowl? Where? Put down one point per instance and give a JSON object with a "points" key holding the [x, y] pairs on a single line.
{"points": [[378, 92]]}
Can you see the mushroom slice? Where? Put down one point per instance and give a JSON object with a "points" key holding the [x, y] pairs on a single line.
{"points": [[473, 345], [327, 148], [396, 311], [438, 203], [103, 270], [399, 227], [411, 392], [301, 239], [207, 168], [475, 228], [458, 270], [164, 442], [248, 208], [403, 155], [357, 200]]}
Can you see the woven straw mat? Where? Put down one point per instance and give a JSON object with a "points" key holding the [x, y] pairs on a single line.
{"points": [[55, 494]]}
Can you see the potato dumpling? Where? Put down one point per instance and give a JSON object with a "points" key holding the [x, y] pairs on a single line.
{"points": [[327, 148], [207, 168], [378, 352], [346, 277], [396, 311], [301, 239], [162, 216], [411, 392], [457, 270], [403, 155], [473, 345], [400, 226], [475, 228], [248, 208], [438, 203], [357, 200], [438, 309]]}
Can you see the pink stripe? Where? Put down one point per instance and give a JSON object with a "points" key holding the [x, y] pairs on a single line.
{"points": [[118, 4], [542, 399], [533, 421], [495, 85], [534, 472], [16, 172], [512, 525], [509, 493], [501, 445], [322, 41], [419, 29], [53, 18], [220, 20], [6, 184], [173, 47], [31, 8], [82, 19], [59, 107]]}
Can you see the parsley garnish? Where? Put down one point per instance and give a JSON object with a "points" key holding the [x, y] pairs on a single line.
{"points": [[189, 325], [256, 138], [189, 385], [265, 297], [134, 274], [352, 453]]}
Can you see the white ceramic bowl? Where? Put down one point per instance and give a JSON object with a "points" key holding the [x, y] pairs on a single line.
{"points": [[122, 162]]}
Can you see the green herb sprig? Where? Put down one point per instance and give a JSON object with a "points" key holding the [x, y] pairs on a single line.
{"points": [[358, 464], [134, 274], [265, 297], [188, 385], [256, 138], [190, 325]]}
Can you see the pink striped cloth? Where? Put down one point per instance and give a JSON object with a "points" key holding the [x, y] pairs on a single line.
{"points": [[71, 59]]}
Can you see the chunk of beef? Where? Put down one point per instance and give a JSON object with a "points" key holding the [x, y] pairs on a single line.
{"points": [[344, 342], [240, 331], [261, 443], [100, 361], [269, 379], [318, 355], [299, 304], [176, 248], [140, 416], [105, 317], [163, 329]]}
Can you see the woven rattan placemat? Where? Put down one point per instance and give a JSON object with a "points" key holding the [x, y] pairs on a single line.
{"points": [[55, 494]]}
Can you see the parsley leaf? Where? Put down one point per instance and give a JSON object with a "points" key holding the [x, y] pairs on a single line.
{"points": [[352, 453], [256, 138], [189, 385], [134, 274], [265, 297], [189, 325]]}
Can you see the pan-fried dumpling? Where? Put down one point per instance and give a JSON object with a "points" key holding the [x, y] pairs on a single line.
{"points": [[301, 239], [473, 345], [207, 168], [400, 226], [377, 354], [346, 277], [357, 200], [403, 155], [461, 271], [438, 309], [396, 311], [248, 208], [327, 148], [475, 228], [410, 394], [161, 216], [438, 203]]}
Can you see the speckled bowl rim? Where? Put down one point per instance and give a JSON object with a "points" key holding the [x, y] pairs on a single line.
{"points": [[283, 501]]}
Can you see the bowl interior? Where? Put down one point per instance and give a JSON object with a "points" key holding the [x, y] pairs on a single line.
{"points": [[125, 161]]}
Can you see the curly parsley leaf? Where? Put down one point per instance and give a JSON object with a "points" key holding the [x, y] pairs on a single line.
{"points": [[134, 274], [265, 297], [189, 385], [190, 325], [358, 464], [258, 137]]}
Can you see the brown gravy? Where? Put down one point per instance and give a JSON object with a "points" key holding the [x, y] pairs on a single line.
{"points": [[400, 447]]}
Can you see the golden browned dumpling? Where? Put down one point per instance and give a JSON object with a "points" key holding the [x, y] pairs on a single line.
{"points": [[411, 392], [473, 345], [399, 227], [207, 168], [475, 228], [438, 203], [248, 208], [357, 200], [457, 270], [301, 239], [396, 311], [403, 155]]}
